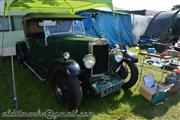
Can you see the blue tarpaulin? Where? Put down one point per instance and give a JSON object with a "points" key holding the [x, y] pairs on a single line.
{"points": [[115, 27]]}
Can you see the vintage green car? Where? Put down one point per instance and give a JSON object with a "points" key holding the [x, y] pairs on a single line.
{"points": [[57, 49]]}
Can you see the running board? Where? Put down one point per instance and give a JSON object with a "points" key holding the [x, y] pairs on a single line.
{"points": [[38, 71]]}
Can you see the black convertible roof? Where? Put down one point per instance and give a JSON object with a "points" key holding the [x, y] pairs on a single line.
{"points": [[51, 16]]}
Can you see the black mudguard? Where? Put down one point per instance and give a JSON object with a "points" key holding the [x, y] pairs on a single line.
{"points": [[72, 67], [128, 55]]}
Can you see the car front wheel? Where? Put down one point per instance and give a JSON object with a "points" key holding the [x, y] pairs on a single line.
{"points": [[67, 89], [129, 72]]}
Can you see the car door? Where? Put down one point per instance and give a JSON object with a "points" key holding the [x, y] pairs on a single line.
{"points": [[41, 53]]}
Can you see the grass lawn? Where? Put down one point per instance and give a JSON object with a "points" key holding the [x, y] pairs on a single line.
{"points": [[33, 94]]}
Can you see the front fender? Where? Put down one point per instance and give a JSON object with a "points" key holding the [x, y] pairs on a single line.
{"points": [[128, 55], [72, 67]]}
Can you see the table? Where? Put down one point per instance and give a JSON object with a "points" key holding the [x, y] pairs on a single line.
{"points": [[153, 55]]}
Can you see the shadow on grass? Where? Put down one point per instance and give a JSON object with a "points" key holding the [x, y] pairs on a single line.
{"points": [[144, 108], [34, 94], [140, 106]]}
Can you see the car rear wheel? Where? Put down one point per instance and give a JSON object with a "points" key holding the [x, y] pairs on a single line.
{"points": [[22, 51], [67, 89]]}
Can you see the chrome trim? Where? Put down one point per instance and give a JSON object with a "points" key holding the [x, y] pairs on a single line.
{"points": [[98, 75], [91, 43], [34, 72]]}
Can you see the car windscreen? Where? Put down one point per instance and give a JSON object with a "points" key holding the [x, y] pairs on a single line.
{"points": [[65, 27]]}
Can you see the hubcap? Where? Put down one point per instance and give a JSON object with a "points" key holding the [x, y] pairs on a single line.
{"points": [[62, 90]]}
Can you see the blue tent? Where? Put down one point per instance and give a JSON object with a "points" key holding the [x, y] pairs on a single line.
{"points": [[115, 27]]}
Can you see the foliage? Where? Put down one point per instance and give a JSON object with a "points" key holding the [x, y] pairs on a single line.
{"points": [[175, 7]]}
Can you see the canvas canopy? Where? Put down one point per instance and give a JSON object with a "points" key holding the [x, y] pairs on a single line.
{"points": [[22, 7]]}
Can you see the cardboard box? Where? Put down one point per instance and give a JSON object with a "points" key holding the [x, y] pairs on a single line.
{"points": [[152, 94]]}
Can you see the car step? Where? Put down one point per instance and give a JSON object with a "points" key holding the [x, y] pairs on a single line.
{"points": [[38, 71]]}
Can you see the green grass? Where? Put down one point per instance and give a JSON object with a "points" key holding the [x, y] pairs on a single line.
{"points": [[33, 94]]}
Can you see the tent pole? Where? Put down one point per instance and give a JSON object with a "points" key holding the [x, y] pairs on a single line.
{"points": [[2, 39], [1, 54], [1, 35], [12, 61]]}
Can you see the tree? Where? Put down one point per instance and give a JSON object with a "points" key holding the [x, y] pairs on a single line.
{"points": [[175, 7]]}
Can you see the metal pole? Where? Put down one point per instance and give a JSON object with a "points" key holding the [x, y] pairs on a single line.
{"points": [[1, 48], [142, 66], [12, 61], [2, 25], [2, 37]]}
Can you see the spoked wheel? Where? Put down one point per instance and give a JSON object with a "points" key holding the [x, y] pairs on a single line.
{"points": [[67, 89], [129, 72]]}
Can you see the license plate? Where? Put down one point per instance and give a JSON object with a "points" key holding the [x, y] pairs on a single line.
{"points": [[110, 90]]}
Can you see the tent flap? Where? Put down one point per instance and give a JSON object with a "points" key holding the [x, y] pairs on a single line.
{"points": [[116, 28]]}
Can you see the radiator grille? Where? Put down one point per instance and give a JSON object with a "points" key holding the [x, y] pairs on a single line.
{"points": [[101, 52]]}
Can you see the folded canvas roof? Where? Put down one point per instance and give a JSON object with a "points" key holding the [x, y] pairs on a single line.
{"points": [[50, 16]]}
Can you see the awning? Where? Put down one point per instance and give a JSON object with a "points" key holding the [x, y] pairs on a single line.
{"points": [[22, 7]]}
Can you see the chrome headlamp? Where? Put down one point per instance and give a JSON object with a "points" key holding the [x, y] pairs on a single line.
{"points": [[118, 56], [66, 55], [89, 61]]}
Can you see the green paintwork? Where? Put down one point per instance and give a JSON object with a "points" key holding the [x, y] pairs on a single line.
{"points": [[81, 38], [44, 55]]}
